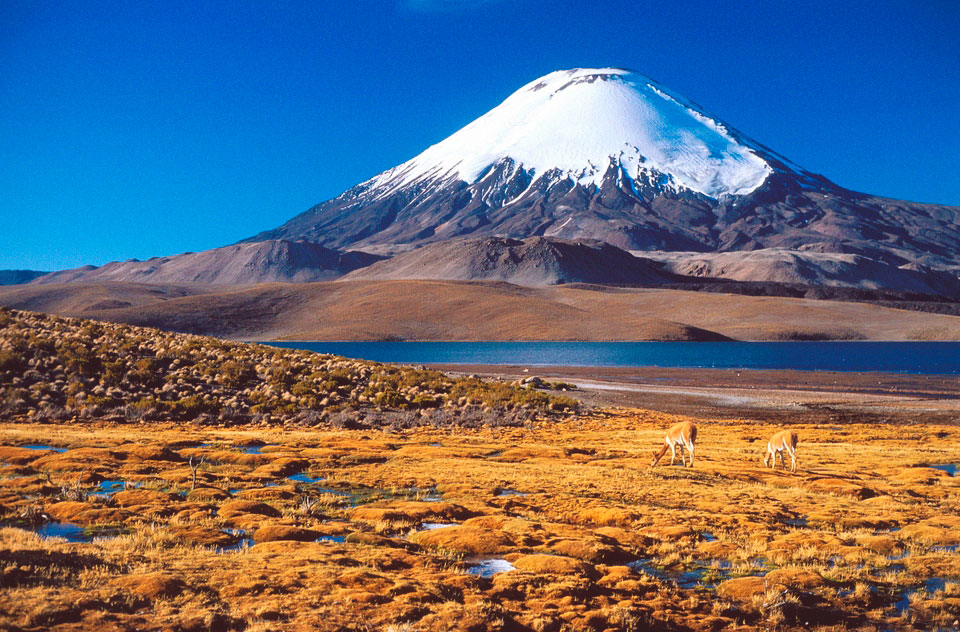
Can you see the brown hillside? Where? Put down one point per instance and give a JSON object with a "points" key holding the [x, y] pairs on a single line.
{"points": [[447, 310]]}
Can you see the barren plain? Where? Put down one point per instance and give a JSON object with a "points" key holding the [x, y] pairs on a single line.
{"points": [[484, 311]]}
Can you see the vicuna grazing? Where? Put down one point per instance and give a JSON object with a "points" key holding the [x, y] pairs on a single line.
{"points": [[682, 435], [783, 441]]}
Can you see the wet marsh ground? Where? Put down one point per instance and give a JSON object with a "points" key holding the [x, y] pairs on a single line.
{"points": [[559, 525]]}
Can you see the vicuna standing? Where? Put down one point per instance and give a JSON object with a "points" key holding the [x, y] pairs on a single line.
{"points": [[783, 441], [682, 435]]}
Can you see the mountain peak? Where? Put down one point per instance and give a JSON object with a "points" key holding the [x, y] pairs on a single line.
{"points": [[610, 154], [578, 123]]}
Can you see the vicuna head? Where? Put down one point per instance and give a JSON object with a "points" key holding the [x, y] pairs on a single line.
{"points": [[658, 455]]}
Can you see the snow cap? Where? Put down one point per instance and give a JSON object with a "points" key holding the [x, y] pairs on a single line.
{"points": [[580, 122]]}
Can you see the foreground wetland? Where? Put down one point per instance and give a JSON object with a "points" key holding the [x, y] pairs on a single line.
{"points": [[412, 500]]}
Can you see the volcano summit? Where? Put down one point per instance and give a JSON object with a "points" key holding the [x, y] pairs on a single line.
{"points": [[611, 155]]}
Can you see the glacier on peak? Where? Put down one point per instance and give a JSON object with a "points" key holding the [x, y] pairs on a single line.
{"points": [[579, 123]]}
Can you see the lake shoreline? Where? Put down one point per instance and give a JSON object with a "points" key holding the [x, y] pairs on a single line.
{"points": [[780, 396], [921, 358]]}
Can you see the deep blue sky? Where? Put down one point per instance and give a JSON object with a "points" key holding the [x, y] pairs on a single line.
{"points": [[133, 129]]}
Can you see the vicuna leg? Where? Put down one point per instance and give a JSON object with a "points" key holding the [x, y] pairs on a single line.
{"points": [[683, 455], [691, 454], [673, 453], [793, 458]]}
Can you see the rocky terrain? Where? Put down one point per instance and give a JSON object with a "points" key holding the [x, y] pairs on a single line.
{"points": [[59, 369], [530, 262], [811, 269]]}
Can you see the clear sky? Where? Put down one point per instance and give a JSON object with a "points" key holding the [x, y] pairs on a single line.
{"points": [[134, 129]]}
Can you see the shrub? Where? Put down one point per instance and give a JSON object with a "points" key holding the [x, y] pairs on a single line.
{"points": [[236, 374], [12, 362], [389, 399], [68, 361], [140, 410], [80, 358], [146, 372], [422, 400], [189, 407], [113, 373]]}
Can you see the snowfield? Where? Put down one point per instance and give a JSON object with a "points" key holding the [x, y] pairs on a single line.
{"points": [[577, 123]]}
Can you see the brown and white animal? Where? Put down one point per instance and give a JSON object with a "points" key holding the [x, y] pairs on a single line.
{"points": [[682, 435], [783, 441]]}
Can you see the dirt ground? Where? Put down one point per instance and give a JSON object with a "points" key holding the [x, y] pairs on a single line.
{"points": [[777, 396], [553, 526]]}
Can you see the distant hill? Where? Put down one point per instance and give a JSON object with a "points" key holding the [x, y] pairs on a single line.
{"points": [[16, 277], [241, 264], [532, 261]]}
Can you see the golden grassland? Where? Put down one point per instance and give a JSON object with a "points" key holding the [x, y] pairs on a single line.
{"points": [[862, 536]]}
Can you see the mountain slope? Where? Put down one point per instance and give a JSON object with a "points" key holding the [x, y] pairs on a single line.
{"points": [[777, 265], [611, 155], [242, 264], [16, 277], [533, 261]]}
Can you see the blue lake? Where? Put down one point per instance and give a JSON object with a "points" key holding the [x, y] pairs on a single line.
{"points": [[899, 357]]}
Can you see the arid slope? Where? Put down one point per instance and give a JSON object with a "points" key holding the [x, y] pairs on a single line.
{"points": [[271, 261]]}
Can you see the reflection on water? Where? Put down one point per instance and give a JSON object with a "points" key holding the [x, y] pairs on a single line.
{"points": [[485, 567], [243, 542], [106, 489], [41, 446], [429, 526], [930, 586], [949, 468], [897, 357], [332, 538], [305, 478], [707, 576], [74, 533]]}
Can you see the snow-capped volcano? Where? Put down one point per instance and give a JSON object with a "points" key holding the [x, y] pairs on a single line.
{"points": [[578, 123], [610, 155]]}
